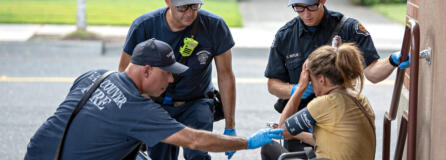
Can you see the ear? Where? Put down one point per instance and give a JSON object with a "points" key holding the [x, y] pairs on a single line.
{"points": [[147, 69], [322, 80], [168, 3], [323, 2]]}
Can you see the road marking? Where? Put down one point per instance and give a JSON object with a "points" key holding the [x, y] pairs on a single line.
{"points": [[244, 80]]}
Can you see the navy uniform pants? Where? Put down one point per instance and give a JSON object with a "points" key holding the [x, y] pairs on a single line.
{"points": [[195, 114]]}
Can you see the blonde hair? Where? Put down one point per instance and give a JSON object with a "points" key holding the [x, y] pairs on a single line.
{"points": [[341, 68]]}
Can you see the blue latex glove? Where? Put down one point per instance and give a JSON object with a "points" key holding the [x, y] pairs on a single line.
{"points": [[230, 132], [263, 137], [396, 59], [307, 92]]}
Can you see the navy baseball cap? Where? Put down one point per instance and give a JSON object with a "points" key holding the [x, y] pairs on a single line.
{"points": [[157, 53], [186, 2], [307, 2]]}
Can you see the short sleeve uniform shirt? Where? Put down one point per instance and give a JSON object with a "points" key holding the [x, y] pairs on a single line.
{"points": [[110, 124], [295, 41], [213, 36]]}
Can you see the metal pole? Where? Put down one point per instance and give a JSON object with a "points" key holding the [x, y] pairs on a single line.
{"points": [[387, 128], [400, 76], [401, 137], [81, 16], [413, 93]]}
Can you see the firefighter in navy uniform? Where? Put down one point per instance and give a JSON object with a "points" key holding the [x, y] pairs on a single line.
{"points": [[313, 28], [197, 37]]}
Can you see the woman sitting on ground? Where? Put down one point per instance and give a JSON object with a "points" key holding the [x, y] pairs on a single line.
{"points": [[341, 117]]}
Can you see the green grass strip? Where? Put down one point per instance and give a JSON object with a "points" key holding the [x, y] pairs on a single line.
{"points": [[395, 12], [100, 12]]}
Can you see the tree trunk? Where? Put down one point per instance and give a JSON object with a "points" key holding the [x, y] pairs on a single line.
{"points": [[81, 16]]}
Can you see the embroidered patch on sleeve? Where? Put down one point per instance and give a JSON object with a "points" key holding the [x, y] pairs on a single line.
{"points": [[360, 29]]}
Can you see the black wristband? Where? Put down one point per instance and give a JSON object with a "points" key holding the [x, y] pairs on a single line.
{"points": [[391, 61]]}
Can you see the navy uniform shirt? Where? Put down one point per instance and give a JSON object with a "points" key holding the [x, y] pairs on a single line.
{"points": [[213, 36], [295, 41], [110, 125]]}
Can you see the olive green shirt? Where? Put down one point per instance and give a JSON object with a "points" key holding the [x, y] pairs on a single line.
{"points": [[342, 130]]}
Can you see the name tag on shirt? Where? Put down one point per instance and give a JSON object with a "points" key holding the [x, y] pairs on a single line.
{"points": [[293, 55]]}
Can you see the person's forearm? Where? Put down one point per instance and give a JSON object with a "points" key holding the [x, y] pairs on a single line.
{"points": [[226, 84], [292, 105], [279, 88], [210, 142], [379, 70], [206, 141], [124, 61], [306, 137]]}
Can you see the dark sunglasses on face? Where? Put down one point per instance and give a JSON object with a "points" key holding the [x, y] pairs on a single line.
{"points": [[299, 8], [184, 8]]}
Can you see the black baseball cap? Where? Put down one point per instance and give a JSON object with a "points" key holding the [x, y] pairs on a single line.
{"points": [[186, 2], [157, 53], [307, 2]]}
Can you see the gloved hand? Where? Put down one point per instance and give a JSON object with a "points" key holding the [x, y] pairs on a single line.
{"points": [[230, 132], [396, 60], [263, 137], [309, 91]]}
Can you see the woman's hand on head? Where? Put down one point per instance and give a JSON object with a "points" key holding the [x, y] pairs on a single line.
{"points": [[304, 78]]}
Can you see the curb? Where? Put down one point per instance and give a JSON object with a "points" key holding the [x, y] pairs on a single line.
{"points": [[53, 48]]}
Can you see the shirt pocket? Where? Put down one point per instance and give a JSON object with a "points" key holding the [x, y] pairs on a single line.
{"points": [[294, 67]]}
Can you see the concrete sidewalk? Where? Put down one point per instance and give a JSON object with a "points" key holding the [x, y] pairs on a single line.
{"points": [[261, 18]]}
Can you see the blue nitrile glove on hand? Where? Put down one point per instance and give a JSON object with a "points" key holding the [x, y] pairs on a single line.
{"points": [[230, 132], [396, 60], [309, 91], [263, 137]]}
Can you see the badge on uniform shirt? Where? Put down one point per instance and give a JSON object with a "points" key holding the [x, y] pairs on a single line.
{"points": [[203, 56], [360, 29]]}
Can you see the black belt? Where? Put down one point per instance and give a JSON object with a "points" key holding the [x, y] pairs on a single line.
{"points": [[177, 103]]}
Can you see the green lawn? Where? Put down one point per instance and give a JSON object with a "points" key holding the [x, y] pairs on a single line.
{"points": [[395, 12], [100, 12]]}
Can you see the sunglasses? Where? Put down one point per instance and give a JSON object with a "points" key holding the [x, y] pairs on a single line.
{"points": [[312, 8], [184, 8]]}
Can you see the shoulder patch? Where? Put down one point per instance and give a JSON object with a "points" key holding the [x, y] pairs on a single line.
{"points": [[360, 29]]}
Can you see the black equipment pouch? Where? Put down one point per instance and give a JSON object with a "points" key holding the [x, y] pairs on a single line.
{"points": [[281, 103], [217, 110]]}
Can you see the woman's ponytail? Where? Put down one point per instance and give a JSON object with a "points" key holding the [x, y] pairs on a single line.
{"points": [[342, 66], [349, 63]]}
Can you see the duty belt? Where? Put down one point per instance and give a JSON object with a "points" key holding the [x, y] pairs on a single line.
{"points": [[175, 103]]}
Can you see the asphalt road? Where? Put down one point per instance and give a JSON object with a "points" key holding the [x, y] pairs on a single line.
{"points": [[36, 76]]}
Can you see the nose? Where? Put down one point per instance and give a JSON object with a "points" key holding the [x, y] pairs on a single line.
{"points": [[189, 12], [306, 12]]}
